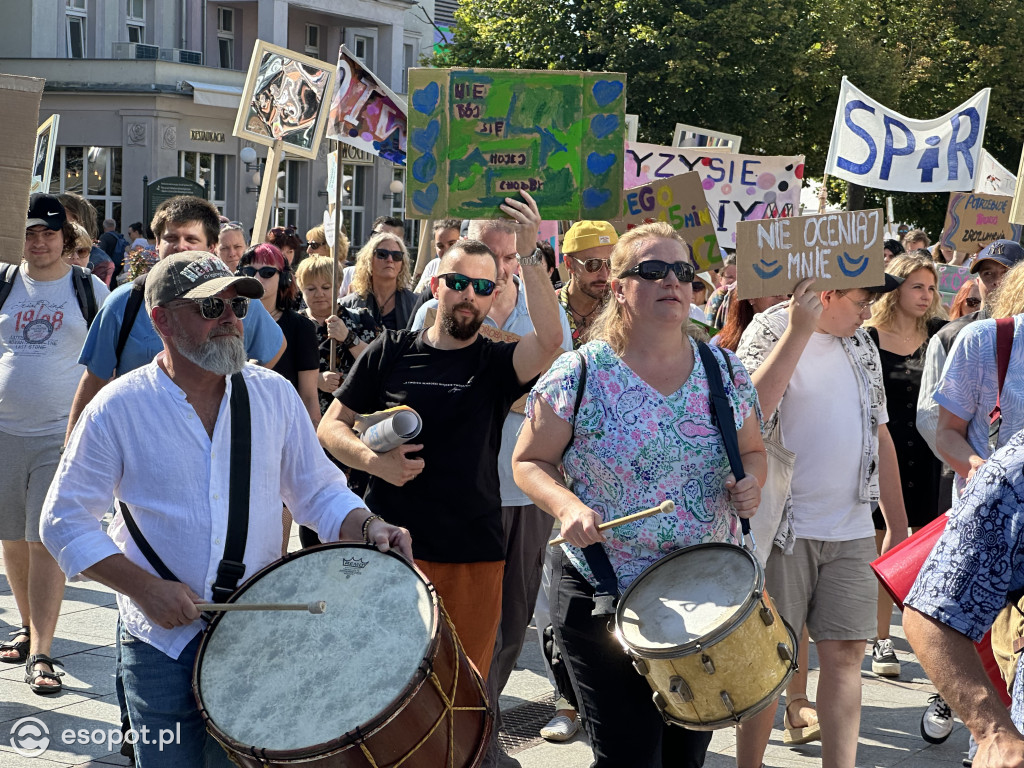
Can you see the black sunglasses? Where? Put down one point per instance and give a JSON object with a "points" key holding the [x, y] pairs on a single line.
{"points": [[265, 272], [212, 307], [593, 265], [655, 269], [383, 254], [972, 302], [698, 285], [457, 282], [314, 244]]}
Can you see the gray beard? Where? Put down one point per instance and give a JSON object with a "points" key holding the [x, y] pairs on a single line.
{"points": [[223, 355]]}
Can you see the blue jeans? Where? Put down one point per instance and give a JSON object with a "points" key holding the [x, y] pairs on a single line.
{"points": [[162, 710]]}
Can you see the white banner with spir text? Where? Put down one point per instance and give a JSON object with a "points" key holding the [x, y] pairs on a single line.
{"points": [[876, 147]]}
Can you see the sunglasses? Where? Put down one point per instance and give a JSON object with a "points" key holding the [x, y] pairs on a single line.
{"points": [[212, 307], [314, 244], [973, 303], [265, 272], [593, 265], [655, 269], [457, 282], [698, 285], [383, 254]]}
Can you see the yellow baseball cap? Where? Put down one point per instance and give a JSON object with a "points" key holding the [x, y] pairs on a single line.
{"points": [[588, 234]]}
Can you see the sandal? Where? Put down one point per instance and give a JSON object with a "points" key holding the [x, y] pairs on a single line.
{"points": [[801, 734], [21, 646], [34, 674]]}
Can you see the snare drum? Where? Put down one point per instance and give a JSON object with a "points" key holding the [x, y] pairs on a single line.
{"points": [[377, 680], [704, 632]]}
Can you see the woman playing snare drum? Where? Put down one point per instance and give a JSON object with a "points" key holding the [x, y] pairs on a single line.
{"points": [[643, 434]]}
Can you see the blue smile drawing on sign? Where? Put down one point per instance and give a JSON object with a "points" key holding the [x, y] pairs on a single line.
{"points": [[853, 270], [767, 270]]}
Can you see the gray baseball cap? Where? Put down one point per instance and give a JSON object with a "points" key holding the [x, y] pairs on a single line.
{"points": [[195, 275]]}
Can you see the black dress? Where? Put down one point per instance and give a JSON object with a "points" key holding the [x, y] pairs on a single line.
{"points": [[919, 467]]}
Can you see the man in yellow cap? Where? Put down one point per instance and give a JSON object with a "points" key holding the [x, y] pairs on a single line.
{"points": [[587, 247]]}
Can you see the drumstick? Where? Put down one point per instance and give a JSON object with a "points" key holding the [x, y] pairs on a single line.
{"points": [[317, 606], [667, 507]]}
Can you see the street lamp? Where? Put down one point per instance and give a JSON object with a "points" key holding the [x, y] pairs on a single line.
{"points": [[396, 187], [248, 156]]}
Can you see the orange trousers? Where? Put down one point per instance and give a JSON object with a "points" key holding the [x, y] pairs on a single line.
{"points": [[471, 593]]}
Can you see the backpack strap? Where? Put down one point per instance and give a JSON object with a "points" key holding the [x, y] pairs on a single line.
{"points": [[10, 271], [131, 312], [84, 292], [1004, 345]]}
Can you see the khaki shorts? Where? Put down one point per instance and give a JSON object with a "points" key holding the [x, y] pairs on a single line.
{"points": [[827, 585], [27, 466]]}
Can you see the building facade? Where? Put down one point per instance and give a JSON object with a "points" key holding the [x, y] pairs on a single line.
{"points": [[148, 89]]}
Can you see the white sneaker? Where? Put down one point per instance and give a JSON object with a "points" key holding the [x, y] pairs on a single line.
{"points": [[937, 720], [560, 728]]}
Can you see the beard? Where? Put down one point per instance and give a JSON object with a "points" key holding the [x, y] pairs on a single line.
{"points": [[458, 329], [221, 353]]}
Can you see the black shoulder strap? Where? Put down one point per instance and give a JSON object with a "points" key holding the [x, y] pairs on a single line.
{"points": [[231, 567], [84, 292], [131, 311], [581, 387], [722, 415], [10, 271]]}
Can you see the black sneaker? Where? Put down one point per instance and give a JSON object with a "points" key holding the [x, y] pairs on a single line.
{"points": [[937, 720], [883, 659]]}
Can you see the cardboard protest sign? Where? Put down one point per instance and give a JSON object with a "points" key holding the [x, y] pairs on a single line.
{"points": [[993, 178], [479, 136], [1017, 209], [973, 221], [951, 280], [46, 145], [284, 100], [21, 97], [737, 187], [876, 147], [548, 233], [680, 202], [366, 113], [840, 250]]}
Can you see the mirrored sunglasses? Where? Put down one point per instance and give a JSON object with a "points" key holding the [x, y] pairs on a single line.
{"points": [[655, 269], [457, 282], [212, 307]]}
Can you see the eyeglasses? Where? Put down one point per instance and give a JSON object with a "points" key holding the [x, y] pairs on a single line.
{"points": [[314, 244], [593, 265], [457, 282], [265, 272], [972, 302], [384, 254], [230, 225], [861, 305], [655, 269], [212, 307]]}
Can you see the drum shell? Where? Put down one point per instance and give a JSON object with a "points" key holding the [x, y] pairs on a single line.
{"points": [[750, 657], [420, 713]]}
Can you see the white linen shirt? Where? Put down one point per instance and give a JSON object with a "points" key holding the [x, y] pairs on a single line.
{"points": [[141, 442]]}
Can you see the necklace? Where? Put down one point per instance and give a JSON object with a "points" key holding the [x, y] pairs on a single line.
{"points": [[583, 317], [382, 305]]}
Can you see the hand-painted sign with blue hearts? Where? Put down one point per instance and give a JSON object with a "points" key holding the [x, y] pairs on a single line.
{"points": [[839, 250], [876, 147], [477, 136]]}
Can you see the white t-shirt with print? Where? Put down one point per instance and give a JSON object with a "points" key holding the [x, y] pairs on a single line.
{"points": [[41, 335], [822, 424]]}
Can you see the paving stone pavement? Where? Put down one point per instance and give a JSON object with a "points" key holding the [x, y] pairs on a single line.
{"points": [[889, 724]]}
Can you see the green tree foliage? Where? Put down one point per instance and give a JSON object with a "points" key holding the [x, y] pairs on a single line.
{"points": [[770, 70]]}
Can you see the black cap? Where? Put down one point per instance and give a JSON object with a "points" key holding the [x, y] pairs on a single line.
{"points": [[891, 284], [47, 211], [1005, 252]]}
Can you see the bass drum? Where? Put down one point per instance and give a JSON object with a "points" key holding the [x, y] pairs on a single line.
{"points": [[378, 680], [704, 632]]}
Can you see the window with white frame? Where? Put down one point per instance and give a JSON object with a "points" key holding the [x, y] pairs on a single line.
{"points": [[353, 200], [286, 194], [226, 37], [94, 173], [412, 230], [76, 16], [362, 46], [208, 169], [136, 17], [408, 62], [313, 39]]}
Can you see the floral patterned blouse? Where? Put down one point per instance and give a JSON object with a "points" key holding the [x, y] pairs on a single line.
{"points": [[634, 447]]}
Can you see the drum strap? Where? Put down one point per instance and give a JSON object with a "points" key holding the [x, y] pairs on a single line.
{"points": [[722, 415], [607, 592], [231, 567]]}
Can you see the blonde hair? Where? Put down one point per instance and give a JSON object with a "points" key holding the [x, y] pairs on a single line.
{"points": [[313, 269], [340, 251], [612, 324], [883, 312], [1009, 298], [82, 239], [362, 280]]}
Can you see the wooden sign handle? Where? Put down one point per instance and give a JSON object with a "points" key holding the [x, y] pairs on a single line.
{"points": [[259, 228], [666, 507]]}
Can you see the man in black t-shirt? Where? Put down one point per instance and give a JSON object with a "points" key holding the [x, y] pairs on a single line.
{"points": [[445, 487]]}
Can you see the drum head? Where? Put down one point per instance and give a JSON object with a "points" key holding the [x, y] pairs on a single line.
{"points": [[686, 596], [287, 680]]}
